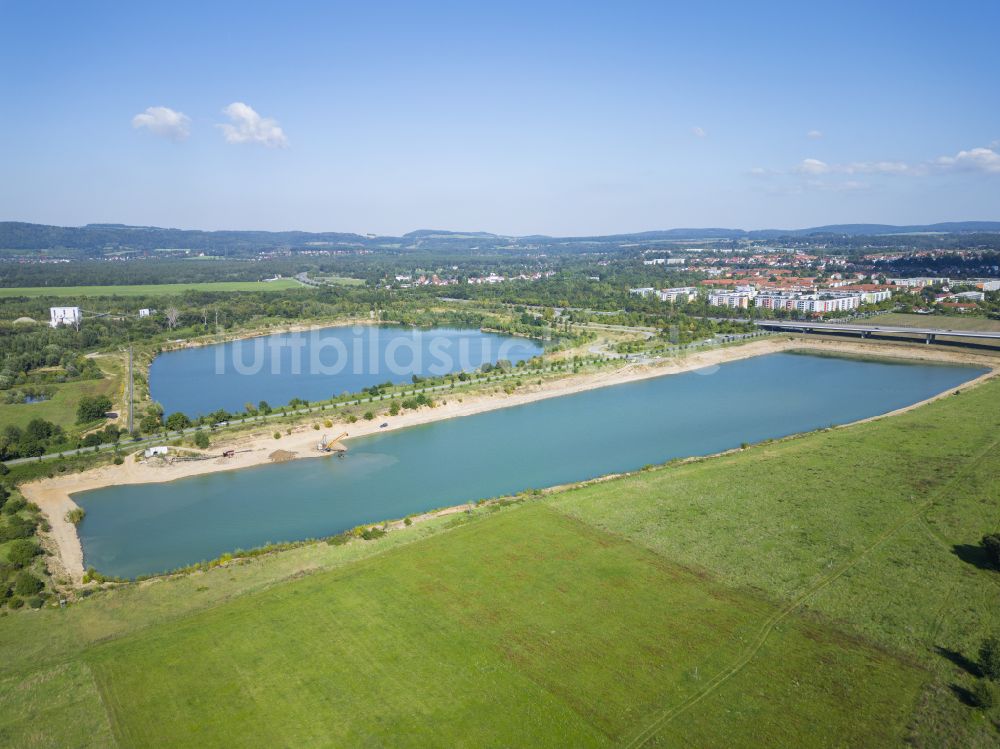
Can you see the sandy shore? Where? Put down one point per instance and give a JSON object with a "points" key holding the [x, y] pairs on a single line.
{"points": [[254, 448]]}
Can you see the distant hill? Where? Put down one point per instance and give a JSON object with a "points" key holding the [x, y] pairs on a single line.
{"points": [[94, 240], [954, 227]]}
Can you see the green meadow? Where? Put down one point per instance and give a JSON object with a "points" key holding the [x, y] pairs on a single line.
{"points": [[162, 289], [949, 322], [824, 590], [61, 407]]}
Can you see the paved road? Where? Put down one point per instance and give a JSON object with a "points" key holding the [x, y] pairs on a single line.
{"points": [[159, 439], [930, 334]]}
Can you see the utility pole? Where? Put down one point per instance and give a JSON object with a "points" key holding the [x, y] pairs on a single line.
{"points": [[131, 404]]}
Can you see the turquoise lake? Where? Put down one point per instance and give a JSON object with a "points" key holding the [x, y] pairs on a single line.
{"points": [[320, 364], [135, 530]]}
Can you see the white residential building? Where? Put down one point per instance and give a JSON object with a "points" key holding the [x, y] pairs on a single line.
{"points": [[145, 312], [655, 261], [969, 296], [818, 303], [678, 294], [734, 299], [919, 282], [644, 291], [65, 316]]}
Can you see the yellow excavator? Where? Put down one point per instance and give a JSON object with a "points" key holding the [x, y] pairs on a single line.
{"points": [[332, 446]]}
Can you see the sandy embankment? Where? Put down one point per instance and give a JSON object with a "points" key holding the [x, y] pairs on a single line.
{"points": [[53, 495]]}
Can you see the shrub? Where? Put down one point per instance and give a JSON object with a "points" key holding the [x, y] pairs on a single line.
{"points": [[369, 415], [26, 584], [201, 439], [989, 658], [118, 460], [992, 544], [16, 527], [394, 408], [327, 423], [177, 421], [91, 408], [407, 522], [16, 603], [13, 506], [982, 695], [75, 515], [21, 552], [36, 602], [351, 419], [316, 427], [370, 534], [277, 435]]}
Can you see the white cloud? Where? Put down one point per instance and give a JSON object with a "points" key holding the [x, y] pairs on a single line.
{"points": [[249, 127], [164, 122], [812, 166], [850, 185], [699, 132], [814, 134], [879, 167], [815, 166], [973, 160]]}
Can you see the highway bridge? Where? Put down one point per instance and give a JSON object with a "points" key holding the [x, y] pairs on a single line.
{"points": [[929, 335]]}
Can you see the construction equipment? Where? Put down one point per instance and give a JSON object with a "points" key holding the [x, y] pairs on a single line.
{"points": [[332, 446]]}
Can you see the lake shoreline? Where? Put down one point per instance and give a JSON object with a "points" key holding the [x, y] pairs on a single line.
{"points": [[53, 495]]}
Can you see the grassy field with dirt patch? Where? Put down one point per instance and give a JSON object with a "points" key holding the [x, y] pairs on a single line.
{"points": [[825, 590], [163, 289], [61, 407]]}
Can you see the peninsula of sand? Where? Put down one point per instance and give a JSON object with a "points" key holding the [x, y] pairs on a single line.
{"points": [[255, 447]]}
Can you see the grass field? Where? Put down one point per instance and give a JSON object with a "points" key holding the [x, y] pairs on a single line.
{"points": [[937, 321], [818, 591], [164, 289], [61, 408]]}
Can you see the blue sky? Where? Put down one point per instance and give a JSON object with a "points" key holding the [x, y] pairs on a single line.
{"points": [[556, 118]]}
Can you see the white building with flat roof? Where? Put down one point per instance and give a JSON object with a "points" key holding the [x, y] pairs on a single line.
{"points": [[733, 299], [65, 316], [678, 294], [643, 291], [818, 303], [919, 282]]}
